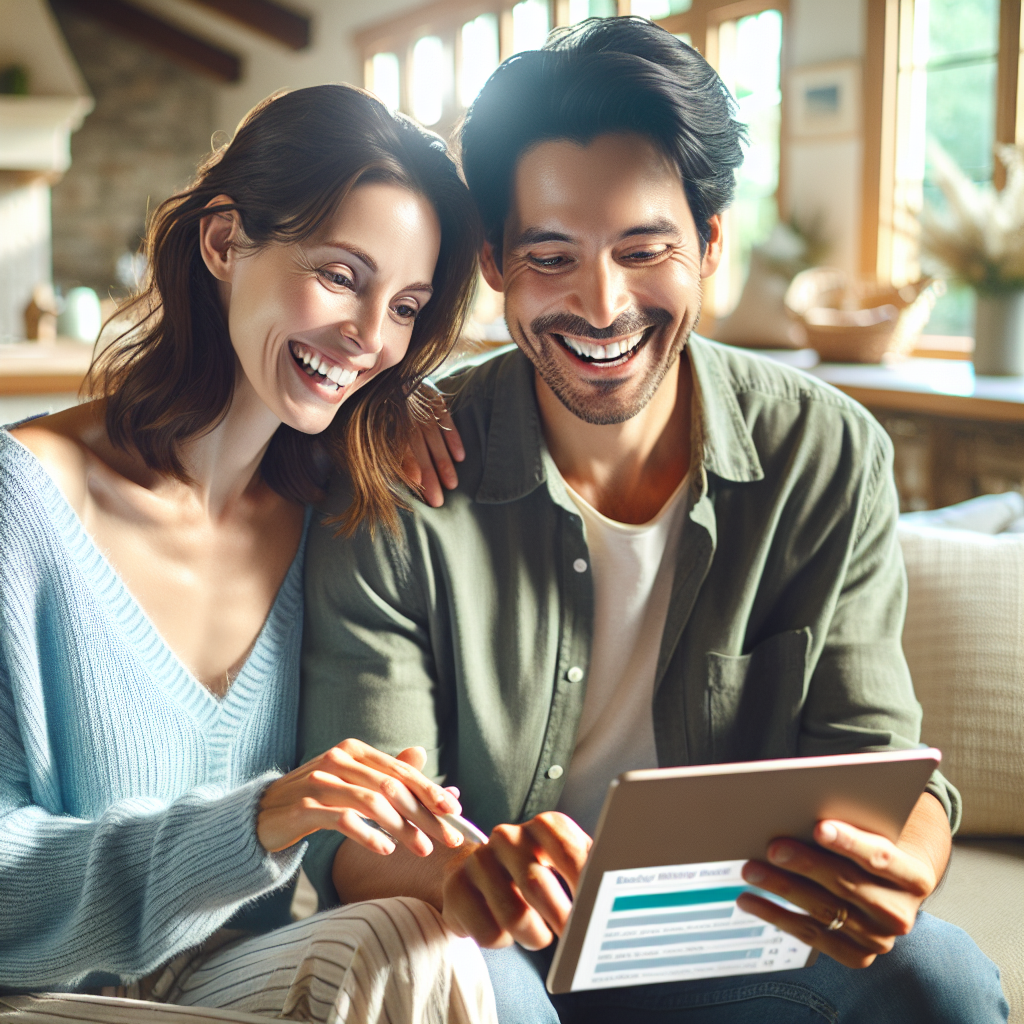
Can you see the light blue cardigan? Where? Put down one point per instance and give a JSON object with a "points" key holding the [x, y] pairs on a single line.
{"points": [[128, 792]]}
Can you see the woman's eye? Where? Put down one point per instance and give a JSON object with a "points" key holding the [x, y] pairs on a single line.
{"points": [[406, 312], [336, 278]]}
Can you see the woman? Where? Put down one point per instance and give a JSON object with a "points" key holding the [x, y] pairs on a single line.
{"points": [[150, 583]]}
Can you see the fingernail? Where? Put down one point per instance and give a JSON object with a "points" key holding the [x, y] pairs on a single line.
{"points": [[387, 848], [753, 872], [828, 832], [781, 854]]}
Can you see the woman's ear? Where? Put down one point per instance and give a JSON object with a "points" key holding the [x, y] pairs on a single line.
{"points": [[217, 234], [489, 268]]}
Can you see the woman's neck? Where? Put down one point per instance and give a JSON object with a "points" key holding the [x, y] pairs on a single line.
{"points": [[223, 463]]}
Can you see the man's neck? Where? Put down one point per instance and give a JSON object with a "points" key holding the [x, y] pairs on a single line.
{"points": [[627, 471]]}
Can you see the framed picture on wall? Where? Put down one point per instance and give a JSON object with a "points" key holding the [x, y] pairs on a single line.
{"points": [[824, 100]]}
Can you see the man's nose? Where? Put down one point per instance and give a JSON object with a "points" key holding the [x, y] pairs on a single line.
{"points": [[602, 292]]}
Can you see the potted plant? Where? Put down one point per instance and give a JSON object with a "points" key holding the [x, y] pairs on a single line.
{"points": [[979, 240]]}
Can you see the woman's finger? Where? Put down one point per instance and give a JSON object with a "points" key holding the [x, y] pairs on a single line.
{"points": [[452, 437], [435, 438], [425, 476]]}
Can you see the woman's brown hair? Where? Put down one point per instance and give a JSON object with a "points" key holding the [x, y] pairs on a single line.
{"points": [[293, 159]]}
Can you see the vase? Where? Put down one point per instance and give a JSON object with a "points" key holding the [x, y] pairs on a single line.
{"points": [[999, 334]]}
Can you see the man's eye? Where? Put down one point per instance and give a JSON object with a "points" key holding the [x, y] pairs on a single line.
{"points": [[645, 254], [548, 261]]}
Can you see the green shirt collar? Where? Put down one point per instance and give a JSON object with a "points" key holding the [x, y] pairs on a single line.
{"points": [[516, 462]]}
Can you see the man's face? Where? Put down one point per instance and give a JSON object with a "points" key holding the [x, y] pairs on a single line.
{"points": [[601, 271]]}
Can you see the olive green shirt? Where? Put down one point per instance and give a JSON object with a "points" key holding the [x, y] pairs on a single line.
{"points": [[469, 633]]}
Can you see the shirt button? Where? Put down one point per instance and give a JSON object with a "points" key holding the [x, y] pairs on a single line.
{"points": [[555, 771], [580, 565], [574, 675]]}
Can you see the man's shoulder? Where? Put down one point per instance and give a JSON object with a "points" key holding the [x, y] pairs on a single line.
{"points": [[767, 389]]}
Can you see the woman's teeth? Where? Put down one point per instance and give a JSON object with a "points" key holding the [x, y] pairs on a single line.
{"points": [[316, 366], [595, 353]]}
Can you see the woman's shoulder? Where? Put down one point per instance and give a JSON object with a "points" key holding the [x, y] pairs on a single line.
{"points": [[60, 446]]}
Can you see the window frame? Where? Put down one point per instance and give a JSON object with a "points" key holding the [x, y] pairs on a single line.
{"points": [[889, 27]]}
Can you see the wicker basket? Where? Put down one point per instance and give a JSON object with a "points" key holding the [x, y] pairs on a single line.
{"points": [[851, 320]]}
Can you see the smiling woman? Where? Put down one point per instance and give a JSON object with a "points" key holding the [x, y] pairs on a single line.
{"points": [[151, 559]]}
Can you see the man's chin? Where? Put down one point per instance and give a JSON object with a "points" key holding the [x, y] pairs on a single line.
{"points": [[601, 402]]}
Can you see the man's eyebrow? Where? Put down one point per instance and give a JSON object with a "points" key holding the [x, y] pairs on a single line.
{"points": [[534, 236], [661, 226]]}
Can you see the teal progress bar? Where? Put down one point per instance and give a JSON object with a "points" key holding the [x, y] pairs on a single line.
{"points": [[679, 899]]}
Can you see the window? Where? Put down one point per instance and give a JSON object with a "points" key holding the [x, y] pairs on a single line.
{"points": [[749, 61], [947, 72]]}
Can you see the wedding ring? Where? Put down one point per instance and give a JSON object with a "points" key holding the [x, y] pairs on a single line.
{"points": [[837, 922]]}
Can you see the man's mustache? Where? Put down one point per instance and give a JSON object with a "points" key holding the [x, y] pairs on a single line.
{"points": [[631, 322]]}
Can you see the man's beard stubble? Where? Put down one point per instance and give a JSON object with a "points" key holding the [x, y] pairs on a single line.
{"points": [[602, 411]]}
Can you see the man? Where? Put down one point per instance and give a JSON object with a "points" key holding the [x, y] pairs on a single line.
{"points": [[660, 552]]}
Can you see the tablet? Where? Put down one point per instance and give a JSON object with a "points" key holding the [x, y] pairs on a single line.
{"points": [[657, 897]]}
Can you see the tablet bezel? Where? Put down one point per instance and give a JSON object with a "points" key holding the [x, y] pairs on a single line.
{"points": [[767, 799]]}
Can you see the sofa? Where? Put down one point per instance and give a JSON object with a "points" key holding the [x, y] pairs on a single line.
{"points": [[964, 642]]}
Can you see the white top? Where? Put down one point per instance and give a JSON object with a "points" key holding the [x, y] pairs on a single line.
{"points": [[634, 568]]}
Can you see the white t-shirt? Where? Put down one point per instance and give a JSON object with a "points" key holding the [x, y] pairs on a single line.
{"points": [[634, 568]]}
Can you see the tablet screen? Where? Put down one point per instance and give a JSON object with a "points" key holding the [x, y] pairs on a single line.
{"points": [[680, 922]]}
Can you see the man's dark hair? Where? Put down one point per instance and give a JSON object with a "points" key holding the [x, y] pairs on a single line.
{"points": [[601, 76]]}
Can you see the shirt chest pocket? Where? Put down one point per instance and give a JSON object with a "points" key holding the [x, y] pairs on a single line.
{"points": [[754, 700]]}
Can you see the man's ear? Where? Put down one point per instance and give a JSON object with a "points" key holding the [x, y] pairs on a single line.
{"points": [[489, 268], [217, 233], [713, 250]]}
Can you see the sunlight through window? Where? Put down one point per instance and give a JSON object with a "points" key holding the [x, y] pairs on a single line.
{"points": [[479, 56], [386, 84], [530, 25], [428, 80]]}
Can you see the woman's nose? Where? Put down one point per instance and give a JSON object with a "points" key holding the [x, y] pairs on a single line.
{"points": [[366, 329]]}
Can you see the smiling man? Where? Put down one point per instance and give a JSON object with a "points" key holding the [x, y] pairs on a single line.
{"points": [[660, 552]]}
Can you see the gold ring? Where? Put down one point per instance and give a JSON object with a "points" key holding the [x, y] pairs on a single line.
{"points": [[839, 920]]}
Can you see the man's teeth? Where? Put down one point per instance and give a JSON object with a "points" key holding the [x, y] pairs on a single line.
{"points": [[603, 353], [315, 365]]}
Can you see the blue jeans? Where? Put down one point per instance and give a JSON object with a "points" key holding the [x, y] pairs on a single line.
{"points": [[934, 975]]}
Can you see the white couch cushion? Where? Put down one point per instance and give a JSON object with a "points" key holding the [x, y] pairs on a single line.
{"points": [[964, 642]]}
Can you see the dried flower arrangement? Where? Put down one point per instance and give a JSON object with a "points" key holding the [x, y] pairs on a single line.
{"points": [[979, 238]]}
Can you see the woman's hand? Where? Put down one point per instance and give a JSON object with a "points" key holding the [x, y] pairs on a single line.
{"points": [[352, 782], [435, 442]]}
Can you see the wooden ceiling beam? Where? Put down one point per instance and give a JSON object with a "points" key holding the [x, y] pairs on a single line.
{"points": [[266, 17], [167, 39]]}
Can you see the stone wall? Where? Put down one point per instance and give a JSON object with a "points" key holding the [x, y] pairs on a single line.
{"points": [[152, 124]]}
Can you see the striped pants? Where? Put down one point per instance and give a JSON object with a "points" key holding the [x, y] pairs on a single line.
{"points": [[382, 962]]}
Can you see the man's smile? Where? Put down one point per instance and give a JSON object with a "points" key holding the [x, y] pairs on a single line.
{"points": [[607, 353]]}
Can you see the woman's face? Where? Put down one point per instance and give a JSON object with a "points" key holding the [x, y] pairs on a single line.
{"points": [[314, 321]]}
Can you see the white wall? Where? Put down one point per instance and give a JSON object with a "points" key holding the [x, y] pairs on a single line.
{"points": [[267, 66], [824, 178]]}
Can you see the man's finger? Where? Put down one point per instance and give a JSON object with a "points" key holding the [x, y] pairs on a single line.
{"points": [[508, 905], [426, 478], [528, 864], [467, 912], [435, 439], [833, 943], [565, 844], [877, 856]]}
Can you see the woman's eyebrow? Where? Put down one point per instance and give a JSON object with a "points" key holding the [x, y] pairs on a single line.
{"points": [[352, 250]]}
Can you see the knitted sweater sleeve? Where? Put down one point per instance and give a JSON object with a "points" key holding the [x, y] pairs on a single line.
{"points": [[126, 892]]}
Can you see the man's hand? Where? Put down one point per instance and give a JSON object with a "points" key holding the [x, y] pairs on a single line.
{"points": [[508, 891], [868, 888]]}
